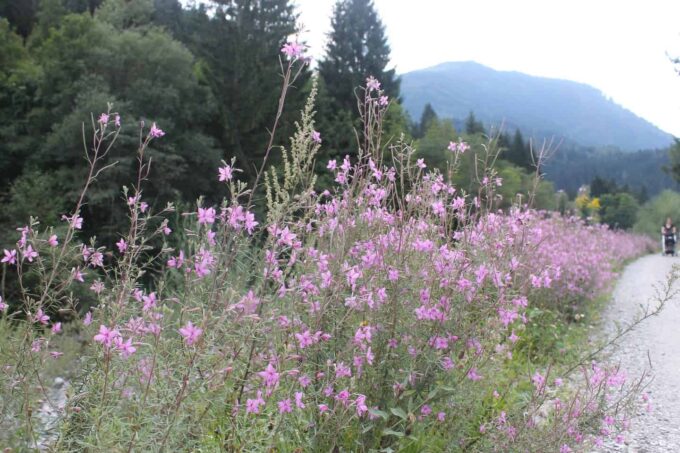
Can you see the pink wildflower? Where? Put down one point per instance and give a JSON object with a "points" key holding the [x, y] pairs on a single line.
{"points": [[298, 400], [125, 348], [56, 327], [41, 317], [103, 119], [292, 50], [226, 173], [206, 215], [190, 333], [97, 287], [3, 305], [155, 132], [106, 336], [10, 257], [52, 241], [316, 137], [285, 406], [30, 254], [360, 402], [472, 375], [122, 245], [253, 405], [269, 376], [372, 84]]}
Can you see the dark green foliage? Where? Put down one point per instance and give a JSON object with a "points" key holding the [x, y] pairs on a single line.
{"points": [[600, 186], [18, 85], [357, 49], [21, 14], [619, 210], [519, 152], [85, 63], [426, 119], [572, 167], [473, 126]]}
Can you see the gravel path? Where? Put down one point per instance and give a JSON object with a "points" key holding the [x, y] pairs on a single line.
{"points": [[654, 346]]}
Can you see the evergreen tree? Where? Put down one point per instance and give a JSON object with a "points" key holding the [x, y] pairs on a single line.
{"points": [[472, 126], [519, 152], [21, 15], [239, 45], [426, 119], [357, 48]]}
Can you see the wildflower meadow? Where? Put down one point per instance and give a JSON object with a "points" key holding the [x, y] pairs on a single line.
{"points": [[391, 312]]}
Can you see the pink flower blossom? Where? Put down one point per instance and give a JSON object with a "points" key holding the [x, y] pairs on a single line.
{"points": [[10, 257], [206, 216], [149, 301], [88, 318], [155, 132], [298, 400], [304, 381], [293, 50], [97, 287], [56, 327], [270, 376], [3, 305], [285, 406], [103, 119], [106, 336], [41, 317], [125, 348], [122, 245], [253, 405], [30, 254], [75, 221], [361, 406], [52, 241], [472, 375], [372, 84], [226, 173], [316, 137], [190, 333]]}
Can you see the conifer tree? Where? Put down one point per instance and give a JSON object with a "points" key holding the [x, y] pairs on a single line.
{"points": [[357, 48], [426, 119], [473, 126]]}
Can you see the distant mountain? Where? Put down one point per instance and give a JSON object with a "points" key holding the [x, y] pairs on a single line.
{"points": [[540, 107]]}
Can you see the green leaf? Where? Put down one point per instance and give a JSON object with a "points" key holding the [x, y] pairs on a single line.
{"points": [[399, 412], [389, 432]]}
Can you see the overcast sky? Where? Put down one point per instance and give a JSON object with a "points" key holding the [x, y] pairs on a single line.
{"points": [[617, 46]]}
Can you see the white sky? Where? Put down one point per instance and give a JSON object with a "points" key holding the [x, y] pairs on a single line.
{"points": [[617, 46]]}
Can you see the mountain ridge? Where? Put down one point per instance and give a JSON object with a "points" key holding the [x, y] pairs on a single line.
{"points": [[541, 107]]}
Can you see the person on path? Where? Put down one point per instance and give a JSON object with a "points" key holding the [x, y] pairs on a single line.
{"points": [[668, 234]]}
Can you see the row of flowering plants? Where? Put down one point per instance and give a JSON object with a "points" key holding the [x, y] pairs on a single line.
{"points": [[380, 315]]}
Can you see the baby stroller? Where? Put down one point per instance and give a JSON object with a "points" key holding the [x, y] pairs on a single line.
{"points": [[668, 240]]}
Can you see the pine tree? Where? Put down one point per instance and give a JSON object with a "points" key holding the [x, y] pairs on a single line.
{"points": [[426, 119], [357, 48], [239, 45], [472, 126]]}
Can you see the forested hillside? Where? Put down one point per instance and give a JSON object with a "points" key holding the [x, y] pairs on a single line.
{"points": [[540, 107]]}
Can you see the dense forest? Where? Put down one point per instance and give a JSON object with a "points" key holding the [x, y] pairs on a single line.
{"points": [[210, 74]]}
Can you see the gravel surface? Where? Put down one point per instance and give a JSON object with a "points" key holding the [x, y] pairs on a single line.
{"points": [[653, 347]]}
